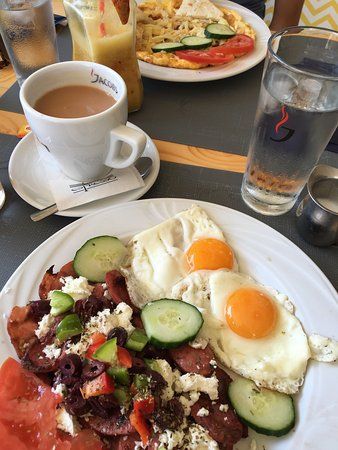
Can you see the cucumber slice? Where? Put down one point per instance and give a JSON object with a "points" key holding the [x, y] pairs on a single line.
{"points": [[137, 341], [219, 31], [170, 323], [60, 302], [265, 411], [98, 256], [107, 352], [167, 47], [196, 43]]}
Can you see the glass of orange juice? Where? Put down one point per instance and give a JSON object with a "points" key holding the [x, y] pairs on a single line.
{"points": [[104, 31]]}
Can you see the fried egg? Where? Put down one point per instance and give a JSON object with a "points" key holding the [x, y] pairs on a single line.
{"points": [[250, 327], [161, 256]]}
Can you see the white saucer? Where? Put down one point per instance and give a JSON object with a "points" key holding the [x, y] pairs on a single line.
{"points": [[29, 180]]}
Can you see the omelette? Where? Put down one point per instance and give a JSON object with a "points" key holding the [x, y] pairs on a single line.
{"points": [[160, 21]]}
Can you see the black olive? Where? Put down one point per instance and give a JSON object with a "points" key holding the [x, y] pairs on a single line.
{"points": [[120, 334], [89, 307], [92, 369], [70, 367], [74, 402]]}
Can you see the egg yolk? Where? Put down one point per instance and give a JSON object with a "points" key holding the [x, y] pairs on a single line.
{"points": [[250, 313], [209, 254]]}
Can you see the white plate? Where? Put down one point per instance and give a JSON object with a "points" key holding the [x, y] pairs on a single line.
{"points": [[262, 252], [29, 179], [216, 73]]}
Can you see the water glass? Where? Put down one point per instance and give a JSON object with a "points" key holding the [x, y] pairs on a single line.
{"points": [[296, 116], [28, 31]]}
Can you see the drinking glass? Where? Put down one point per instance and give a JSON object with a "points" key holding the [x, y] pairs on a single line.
{"points": [[100, 35], [296, 116], [28, 31]]}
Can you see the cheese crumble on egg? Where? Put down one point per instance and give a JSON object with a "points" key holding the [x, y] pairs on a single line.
{"points": [[323, 349]]}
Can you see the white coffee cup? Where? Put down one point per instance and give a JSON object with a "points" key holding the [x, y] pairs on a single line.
{"points": [[85, 147]]}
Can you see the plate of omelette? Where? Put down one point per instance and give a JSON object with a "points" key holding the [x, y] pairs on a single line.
{"points": [[198, 40]]}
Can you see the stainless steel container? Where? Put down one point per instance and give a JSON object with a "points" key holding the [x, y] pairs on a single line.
{"points": [[317, 214]]}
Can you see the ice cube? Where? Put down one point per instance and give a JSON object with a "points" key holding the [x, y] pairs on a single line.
{"points": [[281, 83], [328, 97], [307, 93]]}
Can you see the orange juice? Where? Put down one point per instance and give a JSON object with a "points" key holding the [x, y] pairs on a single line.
{"points": [[99, 36]]}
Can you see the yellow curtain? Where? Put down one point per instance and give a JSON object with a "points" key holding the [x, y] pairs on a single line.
{"points": [[318, 13]]}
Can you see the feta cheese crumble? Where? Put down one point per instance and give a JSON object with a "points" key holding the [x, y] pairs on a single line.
{"points": [[59, 389], [44, 325], [188, 400], [323, 349], [197, 438], [52, 351], [169, 375], [223, 408], [103, 322], [199, 343], [76, 287], [66, 422], [171, 439], [203, 412], [195, 382]]}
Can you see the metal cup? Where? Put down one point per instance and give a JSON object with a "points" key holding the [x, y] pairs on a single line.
{"points": [[317, 214]]}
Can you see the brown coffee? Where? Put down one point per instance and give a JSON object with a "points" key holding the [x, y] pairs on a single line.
{"points": [[74, 101]]}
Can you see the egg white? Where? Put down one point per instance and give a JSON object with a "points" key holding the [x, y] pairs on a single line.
{"points": [[156, 260], [277, 361]]}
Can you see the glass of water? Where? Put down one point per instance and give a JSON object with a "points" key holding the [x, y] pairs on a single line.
{"points": [[296, 116], [28, 31]]}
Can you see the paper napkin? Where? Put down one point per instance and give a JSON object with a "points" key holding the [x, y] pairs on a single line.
{"points": [[69, 193]]}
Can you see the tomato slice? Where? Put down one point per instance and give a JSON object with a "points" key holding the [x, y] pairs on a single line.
{"points": [[124, 357], [97, 339], [103, 384], [27, 410], [204, 57], [141, 426], [144, 405], [238, 45]]}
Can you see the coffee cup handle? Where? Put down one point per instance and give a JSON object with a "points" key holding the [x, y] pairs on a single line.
{"points": [[134, 138]]}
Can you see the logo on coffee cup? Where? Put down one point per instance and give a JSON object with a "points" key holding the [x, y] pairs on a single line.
{"points": [[96, 78]]}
